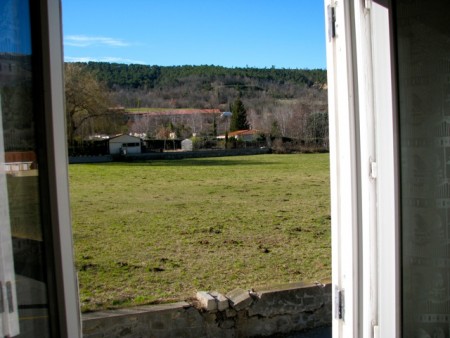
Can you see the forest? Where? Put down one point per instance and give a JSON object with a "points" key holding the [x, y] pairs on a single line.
{"points": [[135, 86], [279, 102]]}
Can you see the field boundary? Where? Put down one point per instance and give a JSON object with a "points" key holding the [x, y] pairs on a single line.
{"points": [[282, 309], [176, 155]]}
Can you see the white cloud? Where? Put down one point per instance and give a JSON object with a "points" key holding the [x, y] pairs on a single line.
{"points": [[110, 59], [87, 41]]}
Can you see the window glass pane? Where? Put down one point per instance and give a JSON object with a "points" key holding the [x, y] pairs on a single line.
{"points": [[423, 37], [22, 272]]}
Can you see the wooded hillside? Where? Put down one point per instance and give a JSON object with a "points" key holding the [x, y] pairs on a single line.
{"points": [[278, 102], [135, 86]]}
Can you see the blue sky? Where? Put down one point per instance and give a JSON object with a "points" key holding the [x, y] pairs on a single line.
{"points": [[15, 27], [230, 33]]}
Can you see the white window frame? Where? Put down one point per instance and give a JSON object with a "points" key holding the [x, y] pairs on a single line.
{"points": [[68, 311], [343, 169], [363, 163]]}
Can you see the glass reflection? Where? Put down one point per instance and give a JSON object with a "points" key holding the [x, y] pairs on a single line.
{"points": [[21, 230]]}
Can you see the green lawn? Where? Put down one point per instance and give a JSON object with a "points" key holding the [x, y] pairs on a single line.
{"points": [[159, 231]]}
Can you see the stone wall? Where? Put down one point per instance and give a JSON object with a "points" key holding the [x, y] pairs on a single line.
{"points": [[240, 313]]}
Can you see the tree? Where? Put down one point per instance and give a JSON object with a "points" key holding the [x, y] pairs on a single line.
{"points": [[283, 116], [238, 116], [317, 127], [214, 132], [86, 98], [275, 130], [163, 134]]}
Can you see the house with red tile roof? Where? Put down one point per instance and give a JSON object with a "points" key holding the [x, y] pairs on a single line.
{"points": [[246, 135]]}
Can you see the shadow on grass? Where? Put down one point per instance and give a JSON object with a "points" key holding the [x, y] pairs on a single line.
{"points": [[193, 163]]}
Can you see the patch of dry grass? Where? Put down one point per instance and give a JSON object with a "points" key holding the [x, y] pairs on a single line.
{"points": [[160, 231]]}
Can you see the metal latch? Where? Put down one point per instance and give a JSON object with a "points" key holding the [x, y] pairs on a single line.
{"points": [[339, 304], [373, 169], [376, 331], [331, 22]]}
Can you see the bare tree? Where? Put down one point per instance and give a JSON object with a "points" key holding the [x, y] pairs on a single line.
{"points": [[283, 116], [86, 98]]}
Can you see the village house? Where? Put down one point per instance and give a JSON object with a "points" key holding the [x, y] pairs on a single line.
{"points": [[248, 135], [17, 161]]}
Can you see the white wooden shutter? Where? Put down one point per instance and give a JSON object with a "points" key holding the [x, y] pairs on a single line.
{"points": [[363, 170], [343, 170]]}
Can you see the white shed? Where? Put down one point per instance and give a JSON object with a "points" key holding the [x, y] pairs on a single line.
{"points": [[187, 145], [124, 144]]}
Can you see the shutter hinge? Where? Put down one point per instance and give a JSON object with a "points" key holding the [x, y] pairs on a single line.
{"points": [[331, 22], [339, 304], [368, 4]]}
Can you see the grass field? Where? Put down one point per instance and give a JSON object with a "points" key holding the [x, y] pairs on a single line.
{"points": [[159, 231]]}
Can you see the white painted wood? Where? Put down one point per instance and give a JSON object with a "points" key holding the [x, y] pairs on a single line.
{"points": [[9, 323], [343, 173], [364, 207], [388, 178], [379, 240], [67, 285], [367, 153]]}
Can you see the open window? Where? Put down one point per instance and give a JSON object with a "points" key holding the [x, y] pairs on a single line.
{"points": [[389, 73], [38, 289]]}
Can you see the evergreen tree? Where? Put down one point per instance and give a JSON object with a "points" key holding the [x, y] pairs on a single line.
{"points": [[238, 116], [214, 127]]}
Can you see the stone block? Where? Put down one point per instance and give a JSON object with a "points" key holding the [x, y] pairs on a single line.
{"points": [[308, 301], [185, 333], [222, 301], [298, 321], [192, 318], [209, 318], [239, 299], [213, 332], [323, 316], [261, 327], [230, 313], [207, 301], [227, 324]]}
